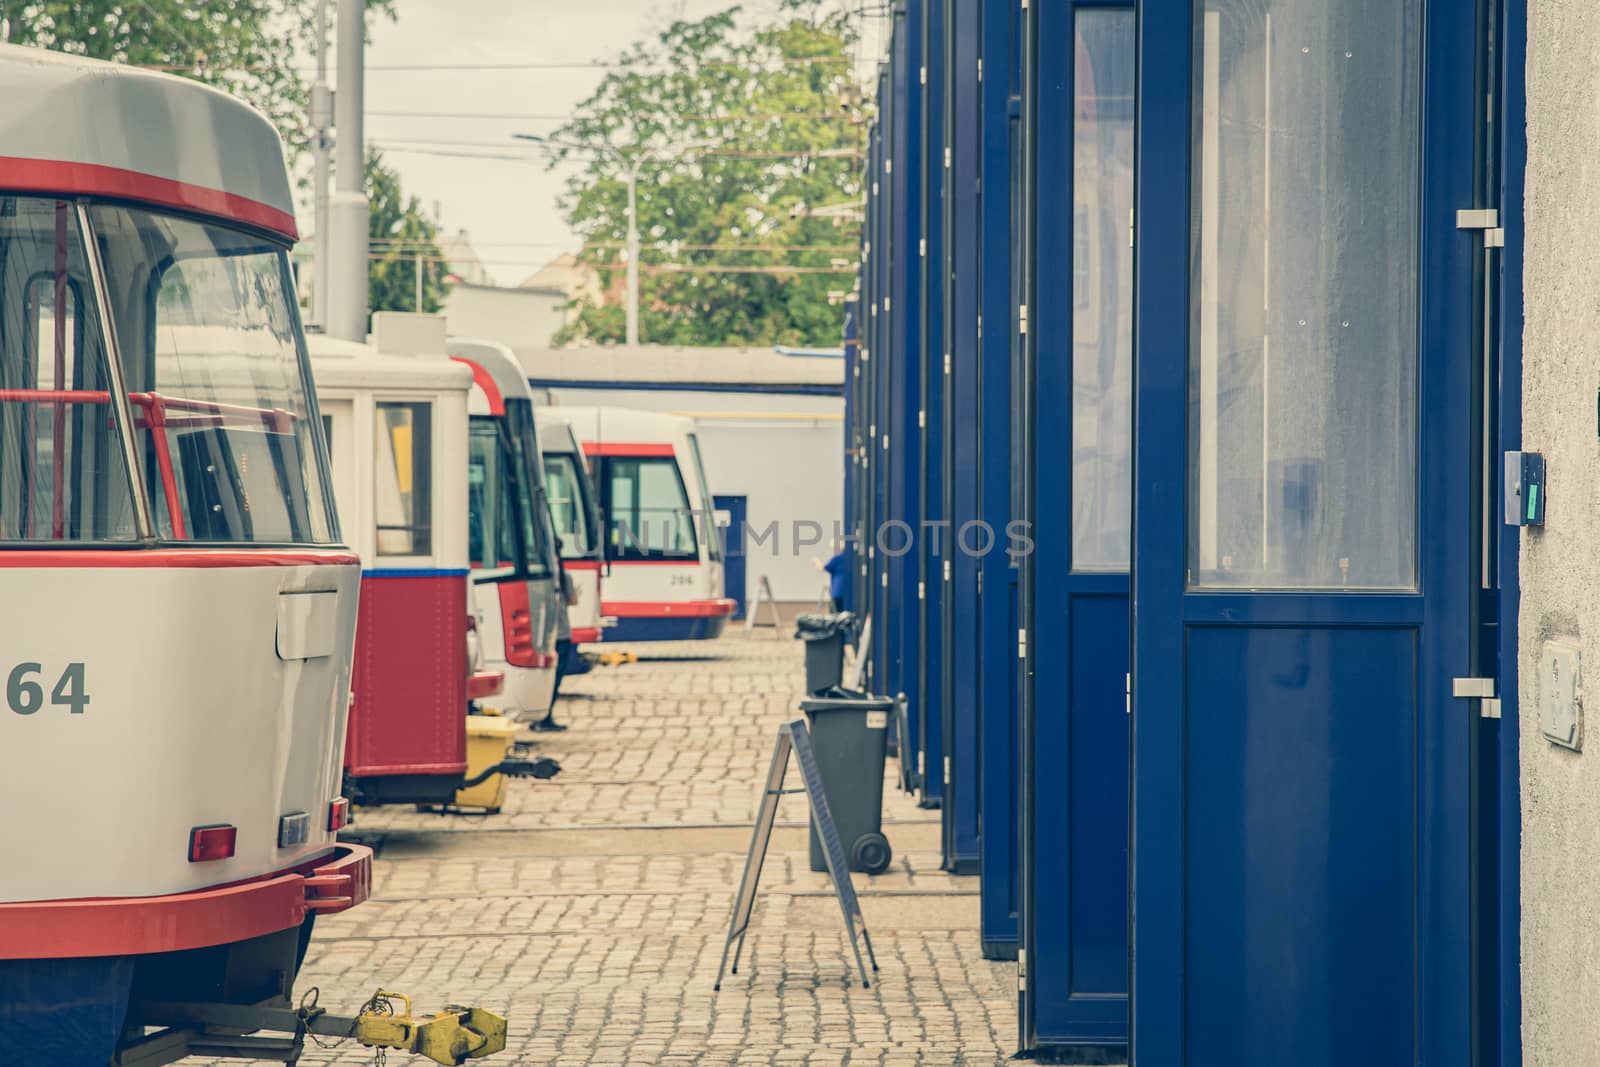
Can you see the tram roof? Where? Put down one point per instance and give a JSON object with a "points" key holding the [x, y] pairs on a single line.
{"points": [[337, 364], [83, 127]]}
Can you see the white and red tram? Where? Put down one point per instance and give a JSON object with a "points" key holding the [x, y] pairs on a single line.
{"points": [[575, 512], [663, 573], [180, 608], [516, 574]]}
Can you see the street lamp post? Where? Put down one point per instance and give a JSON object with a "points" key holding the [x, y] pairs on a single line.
{"points": [[631, 163], [633, 253]]}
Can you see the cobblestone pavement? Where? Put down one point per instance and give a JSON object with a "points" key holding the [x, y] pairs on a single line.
{"points": [[592, 909]]}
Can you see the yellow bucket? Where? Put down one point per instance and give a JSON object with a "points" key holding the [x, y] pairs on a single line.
{"points": [[489, 739]]}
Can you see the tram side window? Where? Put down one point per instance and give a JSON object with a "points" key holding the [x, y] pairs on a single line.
{"points": [[647, 509], [403, 479], [63, 474], [491, 502], [566, 505], [707, 518]]}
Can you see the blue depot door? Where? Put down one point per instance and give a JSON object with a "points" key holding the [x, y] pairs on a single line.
{"points": [[1080, 124], [1303, 575], [732, 511]]}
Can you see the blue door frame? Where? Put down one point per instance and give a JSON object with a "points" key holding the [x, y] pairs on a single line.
{"points": [[965, 535], [1075, 726], [1320, 929], [999, 824], [1513, 149], [931, 551], [897, 539], [733, 557]]}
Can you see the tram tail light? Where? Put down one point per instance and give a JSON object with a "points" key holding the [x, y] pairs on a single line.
{"points": [[338, 814], [211, 842]]}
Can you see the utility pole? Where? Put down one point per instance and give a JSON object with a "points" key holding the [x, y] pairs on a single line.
{"points": [[633, 251], [347, 295], [419, 281], [321, 143]]}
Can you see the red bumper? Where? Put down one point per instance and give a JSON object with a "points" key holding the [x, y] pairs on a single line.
{"points": [[585, 635], [128, 926], [668, 609], [485, 684]]}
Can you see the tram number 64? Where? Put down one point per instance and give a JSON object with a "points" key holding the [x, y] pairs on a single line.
{"points": [[25, 689]]}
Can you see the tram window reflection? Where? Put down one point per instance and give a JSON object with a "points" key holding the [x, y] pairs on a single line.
{"points": [[1303, 367], [403, 479], [204, 319]]}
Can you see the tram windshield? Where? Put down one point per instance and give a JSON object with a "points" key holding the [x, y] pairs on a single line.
{"points": [[568, 505], [648, 509], [223, 420], [501, 535]]}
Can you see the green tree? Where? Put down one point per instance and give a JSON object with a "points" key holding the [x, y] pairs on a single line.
{"points": [[400, 232], [250, 48], [732, 252]]}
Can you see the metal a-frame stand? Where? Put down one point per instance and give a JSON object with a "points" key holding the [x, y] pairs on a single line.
{"points": [[793, 736]]}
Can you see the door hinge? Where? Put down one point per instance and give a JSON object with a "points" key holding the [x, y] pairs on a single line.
{"points": [[1022, 644], [946, 157], [947, 772], [980, 68], [947, 570], [1022, 319], [947, 364], [1485, 219], [922, 591], [922, 248], [1481, 690], [923, 76], [1127, 691], [922, 420]]}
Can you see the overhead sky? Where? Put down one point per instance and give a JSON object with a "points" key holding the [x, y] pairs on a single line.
{"points": [[508, 206]]}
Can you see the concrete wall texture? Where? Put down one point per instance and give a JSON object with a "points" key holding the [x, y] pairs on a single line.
{"points": [[1560, 565]]}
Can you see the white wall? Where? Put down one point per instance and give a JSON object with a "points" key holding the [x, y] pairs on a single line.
{"points": [[784, 453], [1560, 563], [515, 317]]}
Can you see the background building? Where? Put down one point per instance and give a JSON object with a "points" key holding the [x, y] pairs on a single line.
{"points": [[769, 427]]}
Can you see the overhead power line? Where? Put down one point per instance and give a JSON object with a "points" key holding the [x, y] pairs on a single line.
{"points": [[461, 68], [414, 143], [819, 116], [658, 246], [647, 268]]}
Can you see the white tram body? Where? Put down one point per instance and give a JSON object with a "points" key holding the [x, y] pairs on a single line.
{"points": [[575, 512], [663, 573], [397, 421], [516, 597], [175, 654]]}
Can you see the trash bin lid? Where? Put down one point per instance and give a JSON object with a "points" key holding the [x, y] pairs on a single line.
{"points": [[837, 699], [820, 626]]}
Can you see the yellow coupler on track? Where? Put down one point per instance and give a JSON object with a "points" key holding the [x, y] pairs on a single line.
{"points": [[490, 739], [452, 1036]]}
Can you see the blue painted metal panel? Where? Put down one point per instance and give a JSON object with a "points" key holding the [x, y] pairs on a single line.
{"points": [[1513, 146], [962, 444], [1283, 685], [997, 641], [1301, 754], [733, 546], [932, 547]]}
